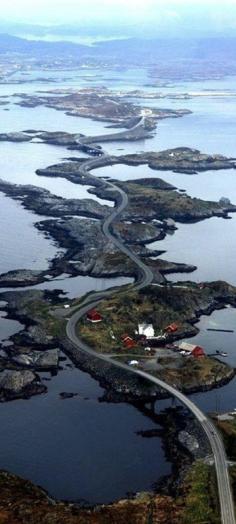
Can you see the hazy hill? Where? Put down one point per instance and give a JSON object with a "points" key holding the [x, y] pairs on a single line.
{"points": [[14, 44], [171, 58]]}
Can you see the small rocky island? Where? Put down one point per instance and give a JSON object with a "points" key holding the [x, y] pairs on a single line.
{"points": [[160, 307], [36, 346]]}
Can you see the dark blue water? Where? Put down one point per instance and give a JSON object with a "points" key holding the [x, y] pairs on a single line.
{"points": [[77, 448], [22, 245]]}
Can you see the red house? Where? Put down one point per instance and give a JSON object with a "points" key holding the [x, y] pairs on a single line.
{"points": [[128, 341], [94, 316], [171, 328], [198, 352]]}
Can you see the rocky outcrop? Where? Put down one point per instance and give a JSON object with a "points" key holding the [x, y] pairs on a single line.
{"points": [[24, 503], [153, 183], [188, 441], [44, 203], [19, 384], [71, 171], [37, 335], [165, 267], [15, 137], [38, 360], [90, 253], [181, 160], [138, 233], [59, 138], [21, 277], [146, 203]]}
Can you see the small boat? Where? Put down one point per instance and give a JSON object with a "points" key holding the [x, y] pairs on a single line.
{"points": [[221, 353]]}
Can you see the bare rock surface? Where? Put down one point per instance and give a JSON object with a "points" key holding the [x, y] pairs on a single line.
{"points": [[18, 384]]}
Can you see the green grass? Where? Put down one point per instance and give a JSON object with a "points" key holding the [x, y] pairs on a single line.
{"points": [[200, 501], [228, 430], [233, 480], [39, 311], [168, 203], [122, 313]]}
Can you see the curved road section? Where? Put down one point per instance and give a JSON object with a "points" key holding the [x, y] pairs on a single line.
{"points": [[145, 278]]}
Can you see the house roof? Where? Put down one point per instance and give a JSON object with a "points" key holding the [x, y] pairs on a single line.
{"points": [[146, 329], [93, 314], [185, 346], [172, 327]]}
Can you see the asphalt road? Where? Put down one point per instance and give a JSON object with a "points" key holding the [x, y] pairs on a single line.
{"points": [[146, 277]]}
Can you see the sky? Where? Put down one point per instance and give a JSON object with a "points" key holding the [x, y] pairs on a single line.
{"points": [[174, 15]]}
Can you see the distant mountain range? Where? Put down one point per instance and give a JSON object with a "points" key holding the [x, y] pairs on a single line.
{"points": [[9, 43], [171, 49], [172, 59], [66, 30], [130, 49]]}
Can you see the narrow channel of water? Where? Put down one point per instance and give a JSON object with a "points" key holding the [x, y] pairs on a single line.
{"points": [[22, 245], [207, 245], [73, 287], [8, 327]]}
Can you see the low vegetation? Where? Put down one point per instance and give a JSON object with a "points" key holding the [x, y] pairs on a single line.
{"points": [[200, 503], [158, 306], [228, 430]]}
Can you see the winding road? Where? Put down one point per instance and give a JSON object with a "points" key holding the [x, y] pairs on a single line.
{"points": [[145, 278], [136, 132]]}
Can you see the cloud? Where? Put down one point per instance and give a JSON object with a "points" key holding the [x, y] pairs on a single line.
{"points": [[158, 13]]}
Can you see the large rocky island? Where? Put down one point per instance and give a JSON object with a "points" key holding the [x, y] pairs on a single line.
{"points": [[99, 104]]}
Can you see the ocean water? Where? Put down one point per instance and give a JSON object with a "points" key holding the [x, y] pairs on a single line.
{"points": [[80, 448], [208, 244], [22, 245], [211, 126], [18, 164]]}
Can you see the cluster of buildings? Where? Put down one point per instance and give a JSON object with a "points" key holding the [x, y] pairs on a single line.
{"points": [[145, 334], [191, 349]]}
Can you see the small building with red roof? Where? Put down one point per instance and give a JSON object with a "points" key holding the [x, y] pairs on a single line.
{"points": [[192, 349], [172, 328], [128, 341], [94, 316], [198, 352]]}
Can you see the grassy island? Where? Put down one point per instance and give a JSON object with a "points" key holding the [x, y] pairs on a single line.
{"points": [[160, 306]]}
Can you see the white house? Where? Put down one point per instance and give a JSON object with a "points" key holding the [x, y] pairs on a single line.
{"points": [[146, 329]]}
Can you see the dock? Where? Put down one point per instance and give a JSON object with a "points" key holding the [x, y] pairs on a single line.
{"points": [[221, 330]]}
